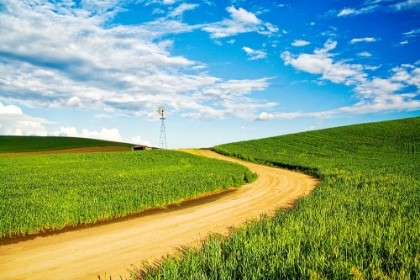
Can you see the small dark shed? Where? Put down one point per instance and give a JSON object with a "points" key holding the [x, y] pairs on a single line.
{"points": [[140, 148]]}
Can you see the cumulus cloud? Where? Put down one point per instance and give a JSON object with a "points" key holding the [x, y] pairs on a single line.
{"points": [[104, 134], [300, 43], [74, 102], [321, 62], [138, 72], [139, 141], [254, 54], [265, 117], [14, 122]]}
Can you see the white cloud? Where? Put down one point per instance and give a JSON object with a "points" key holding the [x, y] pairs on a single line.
{"points": [[254, 54], [346, 12], [241, 15], [139, 141], [74, 102], [300, 43], [412, 33], [265, 117], [10, 110], [372, 68], [138, 73], [405, 5], [364, 54], [242, 22], [385, 6], [105, 133], [271, 28], [321, 62], [14, 122], [395, 93], [181, 9], [102, 116], [367, 39], [169, 2], [364, 10]]}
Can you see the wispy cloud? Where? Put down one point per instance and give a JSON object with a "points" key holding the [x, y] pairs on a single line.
{"points": [[412, 33], [351, 11], [405, 5], [254, 54], [385, 6], [366, 39], [178, 11], [241, 21], [114, 67]]}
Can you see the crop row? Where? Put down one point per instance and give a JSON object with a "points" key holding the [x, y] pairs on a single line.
{"points": [[55, 191]]}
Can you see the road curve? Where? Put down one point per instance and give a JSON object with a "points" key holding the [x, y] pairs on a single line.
{"points": [[112, 249]]}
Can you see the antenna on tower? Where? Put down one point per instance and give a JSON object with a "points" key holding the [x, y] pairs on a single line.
{"points": [[162, 140]]}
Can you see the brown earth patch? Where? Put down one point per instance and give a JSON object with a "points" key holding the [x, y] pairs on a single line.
{"points": [[67, 151]]}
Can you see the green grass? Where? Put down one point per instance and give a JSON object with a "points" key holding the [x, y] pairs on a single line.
{"points": [[361, 222], [56, 191], [19, 144]]}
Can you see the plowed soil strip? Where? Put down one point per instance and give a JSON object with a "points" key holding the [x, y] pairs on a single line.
{"points": [[114, 248], [67, 151]]}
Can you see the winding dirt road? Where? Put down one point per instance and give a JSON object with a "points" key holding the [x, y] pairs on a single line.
{"points": [[113, 248]]}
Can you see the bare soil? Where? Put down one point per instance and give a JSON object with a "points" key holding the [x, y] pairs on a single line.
{"points": [[75, 150], [114, 248]]}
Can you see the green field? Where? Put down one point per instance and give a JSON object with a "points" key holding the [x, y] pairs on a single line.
{"points": [[19, 144], [56, 191], [361, 222]]}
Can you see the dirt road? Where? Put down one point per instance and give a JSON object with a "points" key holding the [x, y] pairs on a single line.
{"points": [[113, 248]]}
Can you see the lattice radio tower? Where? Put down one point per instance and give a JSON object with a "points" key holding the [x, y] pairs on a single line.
{"points": [[162, 139]]}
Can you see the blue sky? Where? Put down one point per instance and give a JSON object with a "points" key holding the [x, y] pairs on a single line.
{"points": [[225, 70]]}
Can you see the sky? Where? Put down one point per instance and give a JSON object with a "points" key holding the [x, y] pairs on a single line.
{"points": [[225, 71]]}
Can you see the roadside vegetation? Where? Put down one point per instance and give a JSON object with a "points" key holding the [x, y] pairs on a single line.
{"points": [[361, 222], [21, 144], [51, 192]]}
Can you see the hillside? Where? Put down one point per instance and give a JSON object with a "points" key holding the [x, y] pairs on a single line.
{"points": [[365, 143], [23, 144], [361, 222]]}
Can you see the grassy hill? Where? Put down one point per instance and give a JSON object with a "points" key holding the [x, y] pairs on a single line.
{"points": [[361, 222], [19, 144]]}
